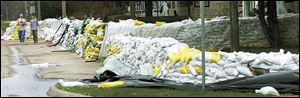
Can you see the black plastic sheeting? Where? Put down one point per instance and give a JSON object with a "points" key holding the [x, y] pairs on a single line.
{"points": [[283, 82]]}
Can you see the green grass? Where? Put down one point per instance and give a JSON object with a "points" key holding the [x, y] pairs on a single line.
{"points": [[154, 92], [4, 25]]}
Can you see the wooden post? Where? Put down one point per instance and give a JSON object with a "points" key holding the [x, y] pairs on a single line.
{"points": [[234, 26], [39, 10], [26, 11], [63, 7], [296, 5]]}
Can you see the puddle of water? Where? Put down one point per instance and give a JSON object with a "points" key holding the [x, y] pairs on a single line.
{"points": [[25, 83]]}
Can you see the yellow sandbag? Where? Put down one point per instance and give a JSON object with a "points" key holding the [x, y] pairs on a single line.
{"points": [[198, 69], [184, 69], [111, 84], [159, 23], [194, 53], [215, 57], [15, 35], [136, 22], [114, 49], [187, 59], [156, 70], [100, 29], [30, 36], [185, 55], [88, 58], [174, 58]]}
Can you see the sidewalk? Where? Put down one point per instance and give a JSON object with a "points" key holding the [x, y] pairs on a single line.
{"points": [[71, 66]]}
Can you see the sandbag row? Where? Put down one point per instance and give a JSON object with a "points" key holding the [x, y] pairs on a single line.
{"points": [[167, 58]]}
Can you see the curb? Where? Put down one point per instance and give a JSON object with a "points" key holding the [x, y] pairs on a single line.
{"points": [[55, 92]]}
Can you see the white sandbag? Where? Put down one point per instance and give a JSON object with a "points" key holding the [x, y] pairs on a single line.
{"points": [[43, 65], [70, 84], [232, 65], [220, 74], [222, 63], [231, 71], [267, 90], [244, 70]]}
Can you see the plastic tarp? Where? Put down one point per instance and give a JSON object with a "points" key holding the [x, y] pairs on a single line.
{"points": [[284, 82]]}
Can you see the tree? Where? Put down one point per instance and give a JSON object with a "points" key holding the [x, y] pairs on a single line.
{"points": [[148, 8], [132, 9], [234, 26], [270, 29]]}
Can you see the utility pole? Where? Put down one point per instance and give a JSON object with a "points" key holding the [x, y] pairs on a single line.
{"points": [[234, 26], [63, 7], [39, 10]]}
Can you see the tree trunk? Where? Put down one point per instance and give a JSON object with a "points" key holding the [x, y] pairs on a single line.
{"points": [[234, 26], [268, 30], [148, 8], [132, 9], [261, 16], [273, 22], [189, 8]]}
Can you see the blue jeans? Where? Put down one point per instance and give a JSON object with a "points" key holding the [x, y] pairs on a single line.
{"points": [[22, 35]]}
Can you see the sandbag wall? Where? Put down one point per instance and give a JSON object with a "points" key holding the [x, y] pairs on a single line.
{"points": [[83, 40], [251, 34], [67, 34], [217, 32], [167, 58]]}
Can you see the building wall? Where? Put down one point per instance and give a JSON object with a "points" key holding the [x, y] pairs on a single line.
{"points": [[221, 8], [215, 8]]}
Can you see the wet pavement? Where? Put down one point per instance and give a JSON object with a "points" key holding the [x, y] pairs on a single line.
{"points": [[25, 83]]}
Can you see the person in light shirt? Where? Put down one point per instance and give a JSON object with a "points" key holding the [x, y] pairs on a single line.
{"points": [[21, 22]]}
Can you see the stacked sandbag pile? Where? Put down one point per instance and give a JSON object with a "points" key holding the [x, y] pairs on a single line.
{"points": [[68, 40], [88, 44], [57, 36], [167, 58], [48, 28], [11, 32], [140, 29]]}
